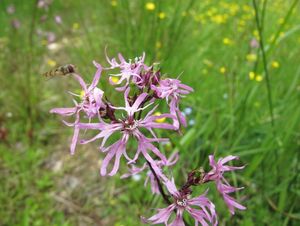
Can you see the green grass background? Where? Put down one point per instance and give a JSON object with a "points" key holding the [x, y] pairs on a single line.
{"points": [[208, 42]]}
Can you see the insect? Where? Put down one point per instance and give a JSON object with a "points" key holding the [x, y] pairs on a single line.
{"points": [[60, 71]]}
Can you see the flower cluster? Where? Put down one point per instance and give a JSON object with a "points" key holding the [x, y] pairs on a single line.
{"points": [[118, 127]]}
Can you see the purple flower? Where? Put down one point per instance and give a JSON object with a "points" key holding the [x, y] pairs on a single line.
{"points": [[128, 127], [172, 90], [216, 174], [204, 213], [154, 186], [90, 104], [128, 70]]}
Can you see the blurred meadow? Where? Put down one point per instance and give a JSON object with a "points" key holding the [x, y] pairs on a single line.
{"points": [[242, 61]]}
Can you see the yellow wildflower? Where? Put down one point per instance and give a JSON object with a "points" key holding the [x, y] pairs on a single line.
{"points": [[114, 3], [159, 120], [258, 78], [222, 70], [75, 26], [114, 79], [251, 75], [227, 41], [158, 45], [251, 57], [275, 64], [51, 63], [150, 6], [162, 15], [219, 19]]}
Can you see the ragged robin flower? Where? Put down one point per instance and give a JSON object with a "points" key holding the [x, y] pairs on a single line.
{"points": [[217, 174], [173, 90], [129, 127], [89, 104], [203, 211], [119, 127], [128, 70]]}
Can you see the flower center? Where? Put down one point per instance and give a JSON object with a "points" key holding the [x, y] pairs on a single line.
{"points": [[181, 202], [130, 125]]}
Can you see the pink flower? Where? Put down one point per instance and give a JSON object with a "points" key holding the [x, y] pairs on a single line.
{"points": [[254, 43], [44, 4], [204, 213], [216, 174], [58, 19], [147, 78], [128, 70], [172, 90], [128, 127], [90, 104], [51, 37], [154, 186]]}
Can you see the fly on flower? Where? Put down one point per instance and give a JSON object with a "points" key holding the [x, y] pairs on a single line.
{"points": [[90, 104]]}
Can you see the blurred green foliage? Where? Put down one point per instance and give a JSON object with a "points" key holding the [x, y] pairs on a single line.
{"points": [[213, 44]]}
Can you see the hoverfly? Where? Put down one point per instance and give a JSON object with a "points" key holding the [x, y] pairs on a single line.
{"points": [[60, 71]]}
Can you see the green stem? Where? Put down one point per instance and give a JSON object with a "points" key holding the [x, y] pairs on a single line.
{"points": [[264, 58]]}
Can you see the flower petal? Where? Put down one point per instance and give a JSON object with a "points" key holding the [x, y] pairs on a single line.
{"points": [[162, 215], [64, 111], [178, 220]]}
